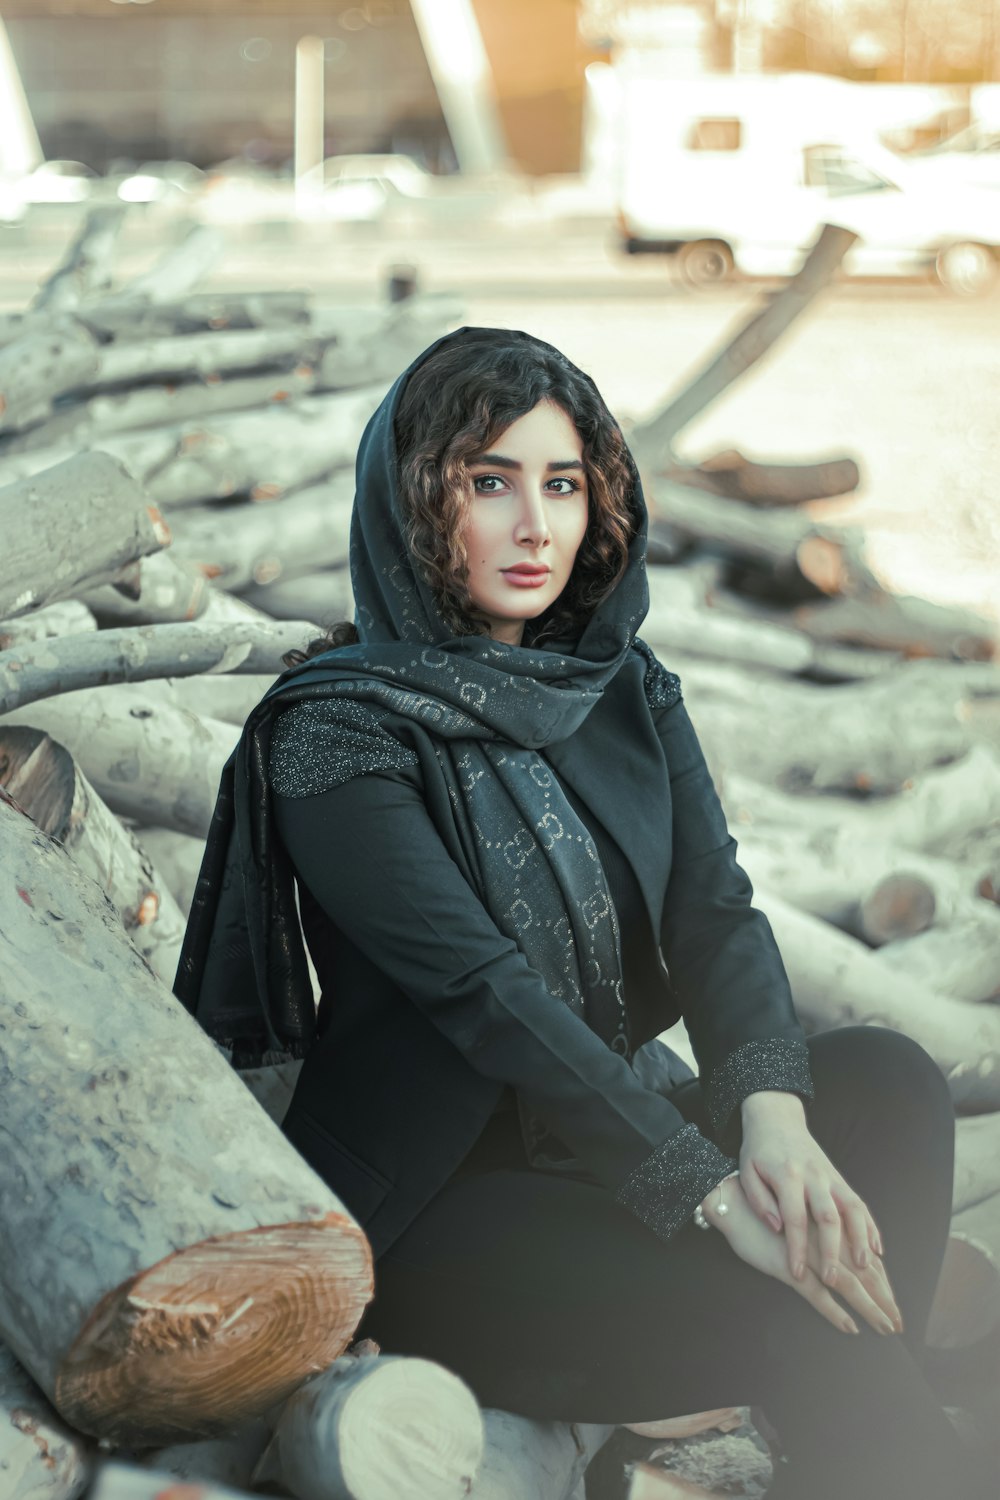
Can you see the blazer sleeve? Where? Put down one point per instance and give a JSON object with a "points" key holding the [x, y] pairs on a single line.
{"points": [[720, 952], [370, 854]]}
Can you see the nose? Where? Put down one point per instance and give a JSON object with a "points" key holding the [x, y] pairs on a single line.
{"points": [[531, 528]]}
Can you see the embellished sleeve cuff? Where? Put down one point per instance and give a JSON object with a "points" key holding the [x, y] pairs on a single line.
{"points": [[770, 1063], [666, 1187]]}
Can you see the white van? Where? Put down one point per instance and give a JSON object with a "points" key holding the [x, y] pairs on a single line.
{"points": [[739, 172]]}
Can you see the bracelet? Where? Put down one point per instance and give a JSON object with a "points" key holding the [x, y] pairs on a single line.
{"points": [[699, 1215]]}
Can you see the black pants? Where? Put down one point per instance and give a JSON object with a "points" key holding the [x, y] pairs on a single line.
{"points": [[551, 1300]]}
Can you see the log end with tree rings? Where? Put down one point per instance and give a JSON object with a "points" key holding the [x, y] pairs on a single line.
{"points": [[821, 559], [898, 906], [379, 1427], [218, 1333]]}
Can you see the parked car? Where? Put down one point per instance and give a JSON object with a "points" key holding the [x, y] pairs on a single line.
{"points": [[972, 156], [733, 175]]}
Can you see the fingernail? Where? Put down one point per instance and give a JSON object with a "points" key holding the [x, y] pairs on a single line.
{"points": [[850, 1326], [861, 1258], [887, 1326], [799, 1270], [774, 1222], [830, 1275]]}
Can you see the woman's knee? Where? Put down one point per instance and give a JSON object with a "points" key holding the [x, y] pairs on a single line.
{"points": [[887, 1067]]}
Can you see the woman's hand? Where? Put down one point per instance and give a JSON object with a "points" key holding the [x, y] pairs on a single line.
{"points": [[866, 1290], [790, 1183]]}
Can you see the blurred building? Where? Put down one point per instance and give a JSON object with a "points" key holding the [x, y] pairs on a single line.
{"points": [[203, 80]]}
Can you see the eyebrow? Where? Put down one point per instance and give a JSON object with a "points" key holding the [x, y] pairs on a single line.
{"points": [[512, 463]]}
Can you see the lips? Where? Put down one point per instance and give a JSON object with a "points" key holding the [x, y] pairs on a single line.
{"points": [[529, 570], [526, 575]]}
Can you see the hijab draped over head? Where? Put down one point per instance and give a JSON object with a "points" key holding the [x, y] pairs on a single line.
{"points": [[486, 709]]}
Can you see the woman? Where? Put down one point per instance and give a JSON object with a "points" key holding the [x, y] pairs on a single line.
{"points": [[513, 872]]}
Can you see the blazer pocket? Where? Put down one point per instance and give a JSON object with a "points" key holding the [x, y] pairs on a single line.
{"points": [[361, 1187]]}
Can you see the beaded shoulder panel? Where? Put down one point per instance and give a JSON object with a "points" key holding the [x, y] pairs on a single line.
{"points": [[316, 745], [662, 687]]}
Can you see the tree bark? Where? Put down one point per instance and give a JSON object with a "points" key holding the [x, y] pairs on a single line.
{"points": [[169, 1265], [148, 759], [836, 981], [42, 777], [325, 597], [89, 518], [298, 533], [229, 697], [40, 1457], [121, 1481], [176, 856], [141, 653]]}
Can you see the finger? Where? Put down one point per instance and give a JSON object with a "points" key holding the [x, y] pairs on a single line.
{"points": [[813, 1290], [861, 1300], [876, 1281], [761, 1199], [826, 1215], [792, 1205], [860, 1227]]}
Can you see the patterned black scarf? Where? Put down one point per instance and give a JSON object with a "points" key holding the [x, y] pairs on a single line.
{"points": [[490, 709]]}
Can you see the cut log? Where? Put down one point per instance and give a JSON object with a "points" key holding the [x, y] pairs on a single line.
{"points": [[650, 1483], [169, 1265], [40, 1457], [836, 981], [263, 453], [524, 1459], [901, 622], [119, 1481], [227, 1460], [176, 856], [966, 1306], [167, 589], [50, 357], [121, 318], [722, 1419], [178, 269], [795, 550], [229, 697], [42, 778], [207, 355], [87, 423], [943, 805], [871, 736], [86, 269], [141, 653], [325, 597], [654, 437], [963, 957], [299, 533], [871, 890], [977, 1160], [735, 477], [89, 518], [340, 1437], [67, 617], [147, 758]]}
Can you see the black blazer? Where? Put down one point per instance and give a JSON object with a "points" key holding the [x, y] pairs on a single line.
{"points": [[428, 1011]]}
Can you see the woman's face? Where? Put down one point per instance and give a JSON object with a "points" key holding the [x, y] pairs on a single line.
{"points": [[527, 519]]}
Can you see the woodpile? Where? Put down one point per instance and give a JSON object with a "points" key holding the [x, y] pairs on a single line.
{"points": [[175, 490]]}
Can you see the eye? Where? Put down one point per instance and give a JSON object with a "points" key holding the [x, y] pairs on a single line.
{"points": [[573, 486], [479, 480]]}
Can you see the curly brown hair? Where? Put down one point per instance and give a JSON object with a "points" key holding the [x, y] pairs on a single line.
{"points": [[455, 406]]}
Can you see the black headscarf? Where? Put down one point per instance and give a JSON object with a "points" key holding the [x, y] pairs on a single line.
{"points": [[488, 708]]}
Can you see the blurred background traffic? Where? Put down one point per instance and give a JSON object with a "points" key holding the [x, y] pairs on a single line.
{"points": [[623, 177]]}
